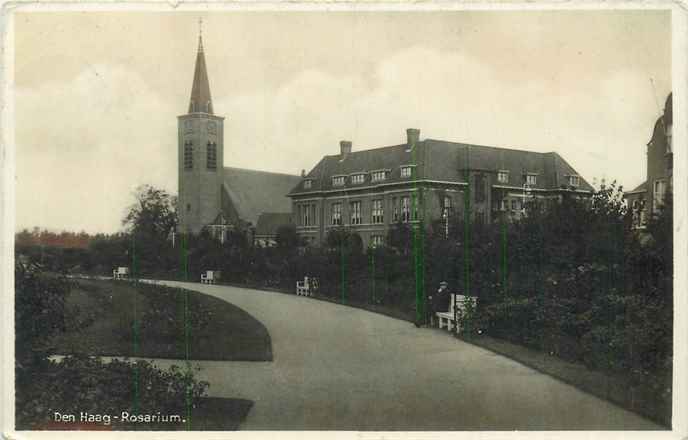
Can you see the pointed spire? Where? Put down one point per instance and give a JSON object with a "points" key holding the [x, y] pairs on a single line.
{"points": [[200, 101]]}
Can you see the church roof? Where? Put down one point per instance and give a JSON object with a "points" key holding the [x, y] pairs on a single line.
{"points": [[268, 222], [443, 161], [255, 192], [200, 100]]}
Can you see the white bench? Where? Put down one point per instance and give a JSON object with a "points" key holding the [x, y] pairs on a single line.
{"points": [[307, 287], [448, 316], [210, 276], [120, 273]]}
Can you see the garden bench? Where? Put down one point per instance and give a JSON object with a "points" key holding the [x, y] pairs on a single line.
{"points": [[448, 316], [307, 287], [120, 273], [210, 277]]}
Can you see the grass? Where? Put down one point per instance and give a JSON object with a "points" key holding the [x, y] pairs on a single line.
{"points": [[140, 320], [637, 396]]}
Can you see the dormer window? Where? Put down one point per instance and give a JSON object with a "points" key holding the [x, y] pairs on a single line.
{"points": [[338, 180], [406, 171], [307, 184], [357, 179], [503, 176], [378, 176], [574, 180], [668, 133]]}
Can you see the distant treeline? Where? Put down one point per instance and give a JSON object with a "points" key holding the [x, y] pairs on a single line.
{"points": [[64, 239]]}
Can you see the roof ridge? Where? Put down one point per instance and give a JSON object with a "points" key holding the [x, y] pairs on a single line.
{"points": [[261, 171], [523, 150]]}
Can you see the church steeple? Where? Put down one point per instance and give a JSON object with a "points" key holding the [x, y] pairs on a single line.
{"points": [[200, 101]]}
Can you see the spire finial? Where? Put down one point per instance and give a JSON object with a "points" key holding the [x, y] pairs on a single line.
{"points": [[200, 34]]}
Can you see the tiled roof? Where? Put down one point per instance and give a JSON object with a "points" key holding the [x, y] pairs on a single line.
{"points": [[268, 222], [255, 192], [442, 161]]}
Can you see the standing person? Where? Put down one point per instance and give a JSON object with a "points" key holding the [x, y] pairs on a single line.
{"points": [[439, 302]]}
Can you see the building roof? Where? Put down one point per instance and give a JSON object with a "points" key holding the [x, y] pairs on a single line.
{"points": [[255, 192], [638, 189], [200, 100], [442, 161], [268, 222]]}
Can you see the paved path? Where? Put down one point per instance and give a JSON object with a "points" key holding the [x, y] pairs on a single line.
{"points": [[337, 367]]}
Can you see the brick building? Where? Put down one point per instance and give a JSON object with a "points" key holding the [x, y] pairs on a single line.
{"points": [[212, 196], [645, 200], [370, 190]]}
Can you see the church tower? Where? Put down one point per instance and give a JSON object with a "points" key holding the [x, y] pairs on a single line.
{"points": [[200, 155]]}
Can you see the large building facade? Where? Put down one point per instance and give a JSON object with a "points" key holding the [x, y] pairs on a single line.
{"points": [[369, 191], [645, 200], [210, 195]]}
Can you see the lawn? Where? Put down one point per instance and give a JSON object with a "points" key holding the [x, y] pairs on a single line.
{"points": [[121, 318]]}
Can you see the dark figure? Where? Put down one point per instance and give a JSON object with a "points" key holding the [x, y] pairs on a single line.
{"points": [[439, 302]]}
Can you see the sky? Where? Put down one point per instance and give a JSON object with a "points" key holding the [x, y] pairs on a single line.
{"points": [[97, 94]]}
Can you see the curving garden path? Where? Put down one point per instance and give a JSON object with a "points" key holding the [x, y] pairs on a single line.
{"points": [[340, 368]]}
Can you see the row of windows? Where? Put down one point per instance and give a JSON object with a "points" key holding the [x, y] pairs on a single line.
{"points": [[406, 171], [359, 178], [531, 179], [211, 155], [401, 211]]}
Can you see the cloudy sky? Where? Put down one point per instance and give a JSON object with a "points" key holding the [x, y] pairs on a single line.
{"points": [[97, 94]]}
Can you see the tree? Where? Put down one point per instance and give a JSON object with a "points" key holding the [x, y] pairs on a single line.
{"points": [[153, 214], [149, 221]]}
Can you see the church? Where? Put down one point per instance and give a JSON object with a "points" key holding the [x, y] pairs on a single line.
{"points": [[212, 196]]}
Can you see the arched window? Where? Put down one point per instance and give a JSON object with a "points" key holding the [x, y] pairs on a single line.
{"points": [[212, 156], [188, 155]]}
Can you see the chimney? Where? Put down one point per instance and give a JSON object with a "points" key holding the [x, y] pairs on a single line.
{"points": [[303, 173], [412, 136], [345, 148]]}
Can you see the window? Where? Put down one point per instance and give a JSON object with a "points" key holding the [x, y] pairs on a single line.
{"points": [[378, 176], [406, 171], [405, 209], [658, 191], [479, 189], [338, 181], [574, 180], [531, 179], [212, 156], [503, 177], [307, 184], [377, 240], [188, 207], [395, 210], [355, 213], [378, 212], [336, 213], [357, 179], [211, 127], [503, 205], [188, 155], [307, 214], [447, 207], [668, 133], [188, 126], [514, 205]]}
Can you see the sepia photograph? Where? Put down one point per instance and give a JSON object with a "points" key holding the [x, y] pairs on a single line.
{"points": [[343, 219]]}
